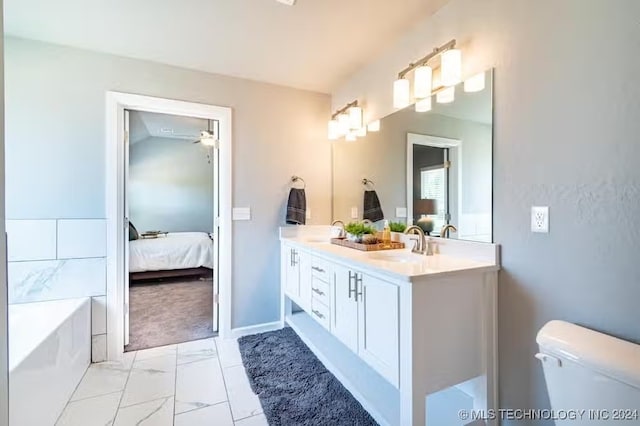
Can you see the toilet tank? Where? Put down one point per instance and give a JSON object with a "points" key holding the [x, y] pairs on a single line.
{"points": [[590, 376]]}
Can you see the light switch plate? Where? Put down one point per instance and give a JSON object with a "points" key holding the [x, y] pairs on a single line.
{"points": [[401, 212], [242, 213], [540, 219], [354, 212]]}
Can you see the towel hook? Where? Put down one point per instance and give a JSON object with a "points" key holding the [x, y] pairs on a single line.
{"points": [[295, 179], [366, 182]]}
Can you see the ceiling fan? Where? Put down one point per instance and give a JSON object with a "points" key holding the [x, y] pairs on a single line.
{"points": [[207, 137]]}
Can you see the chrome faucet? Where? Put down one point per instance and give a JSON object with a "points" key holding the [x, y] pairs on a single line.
{"points": [[341, 223], [444, 233], [419, 246]]}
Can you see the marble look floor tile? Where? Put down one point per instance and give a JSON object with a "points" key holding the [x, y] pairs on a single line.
{"points": [[218, 415], [155, 352], [196, 350], [199, 384], [158, 412], [259, 420], [244, 403], [228, 352], [150, 379], [104, 378], [98, 411]]}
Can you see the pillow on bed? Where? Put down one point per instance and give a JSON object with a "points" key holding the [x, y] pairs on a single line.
{"points": [[133, 232]]}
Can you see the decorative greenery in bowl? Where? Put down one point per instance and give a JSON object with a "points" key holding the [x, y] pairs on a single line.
{"points": [[361, 233], [397, 226]]}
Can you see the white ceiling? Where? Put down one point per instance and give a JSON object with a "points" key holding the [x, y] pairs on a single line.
{"points": [[143, 125], [313, 45]]}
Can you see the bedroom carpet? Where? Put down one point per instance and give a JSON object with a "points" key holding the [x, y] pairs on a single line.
{"points": [[168, 312], [294, 387]]}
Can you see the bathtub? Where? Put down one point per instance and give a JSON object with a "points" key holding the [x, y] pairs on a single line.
{"points": [[49, 351]]}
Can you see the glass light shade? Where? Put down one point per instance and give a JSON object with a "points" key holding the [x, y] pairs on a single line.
{"points": [[446, 96], [474, 83], [361, 132], [351, 136], [451, 67], [343, 124], [422, 82], [333, 130], [401, 93], [374, 126], [423, 105], [355, 118]]}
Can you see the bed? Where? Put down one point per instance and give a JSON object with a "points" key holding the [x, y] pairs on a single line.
{"points": [[173, 255]]}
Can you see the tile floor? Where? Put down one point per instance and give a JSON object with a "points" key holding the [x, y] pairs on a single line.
{"points": [[190, 384]]}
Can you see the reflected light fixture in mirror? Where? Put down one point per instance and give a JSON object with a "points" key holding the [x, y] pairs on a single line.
{"points": [[446, 96], [474, 83], [423, 105], [374, 126]]}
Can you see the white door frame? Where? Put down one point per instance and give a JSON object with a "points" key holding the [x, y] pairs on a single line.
{"points": [[437, 142], [116, 103]]}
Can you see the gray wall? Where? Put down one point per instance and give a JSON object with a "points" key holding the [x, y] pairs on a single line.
{"points": [[56, 145], [567, 99], [170, 186]]}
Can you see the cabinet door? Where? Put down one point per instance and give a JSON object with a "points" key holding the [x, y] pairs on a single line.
{"points": [[304, 286], [378, 331], [293, 272], [344, 308]]}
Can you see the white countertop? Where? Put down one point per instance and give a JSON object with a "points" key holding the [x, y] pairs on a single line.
{"points": [[410, 267]]}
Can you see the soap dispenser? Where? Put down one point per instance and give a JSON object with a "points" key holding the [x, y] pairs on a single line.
{"points": [[386, 234]]}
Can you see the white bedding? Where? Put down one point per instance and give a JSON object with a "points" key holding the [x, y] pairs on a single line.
{"points": [[176, 250]]}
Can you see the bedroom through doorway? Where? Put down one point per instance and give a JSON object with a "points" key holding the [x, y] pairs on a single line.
{"points": [[171, 174]]}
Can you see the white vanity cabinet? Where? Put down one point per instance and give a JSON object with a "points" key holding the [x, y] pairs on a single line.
{"points": [[365, 317], [296, 275], [395, 330]]}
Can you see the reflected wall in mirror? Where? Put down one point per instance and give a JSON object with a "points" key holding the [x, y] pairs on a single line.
{"points": [[430, 168]]}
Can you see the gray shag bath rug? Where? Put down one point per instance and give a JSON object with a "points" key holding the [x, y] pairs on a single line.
{"points": [[294, 387]]}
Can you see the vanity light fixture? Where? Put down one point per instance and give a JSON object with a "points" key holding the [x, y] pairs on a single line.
{"points": [[374, 126], [350, 136], [423, 84], [361, 132], [347, 121], [474, 83]]}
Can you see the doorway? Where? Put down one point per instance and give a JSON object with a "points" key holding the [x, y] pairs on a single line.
{"points": [[171, 176], [218, 134]]}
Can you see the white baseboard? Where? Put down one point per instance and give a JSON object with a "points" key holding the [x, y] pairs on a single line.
{"points": [[254, 329]]}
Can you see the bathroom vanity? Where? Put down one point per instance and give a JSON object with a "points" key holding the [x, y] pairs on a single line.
{"points": [[393, 326]]}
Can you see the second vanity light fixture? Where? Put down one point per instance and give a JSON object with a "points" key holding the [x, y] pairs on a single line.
{"points": [[424, 83], [348, 122]]}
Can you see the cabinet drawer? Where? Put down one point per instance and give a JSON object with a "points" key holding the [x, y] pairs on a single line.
{"points": [[320, 313], [321, 269], [320, 290]]}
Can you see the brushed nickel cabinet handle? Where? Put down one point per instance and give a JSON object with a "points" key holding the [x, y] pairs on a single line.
{"points": [[315, 268], [318, 314], [315, 290]]}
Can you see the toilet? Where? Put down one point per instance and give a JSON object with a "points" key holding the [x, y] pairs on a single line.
{"points": [[592, 378]]}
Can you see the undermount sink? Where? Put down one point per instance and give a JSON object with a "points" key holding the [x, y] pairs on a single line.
{"points": [[398, 257]]}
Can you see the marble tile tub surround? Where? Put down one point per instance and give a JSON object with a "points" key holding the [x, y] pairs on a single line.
{"points": [[195, 383], [53, 259]]}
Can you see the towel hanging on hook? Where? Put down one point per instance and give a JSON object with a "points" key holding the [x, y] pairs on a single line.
{"points": [[295, 179]]}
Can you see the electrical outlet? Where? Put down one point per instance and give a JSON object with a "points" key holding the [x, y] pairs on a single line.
{"points": [[540, 219], [354, 212]]}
